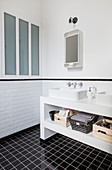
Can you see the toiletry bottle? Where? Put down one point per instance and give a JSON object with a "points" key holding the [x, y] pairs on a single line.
{"points": [[91, 93]]}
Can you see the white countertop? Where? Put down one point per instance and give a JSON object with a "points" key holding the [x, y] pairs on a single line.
{"points": [[85, 105]]}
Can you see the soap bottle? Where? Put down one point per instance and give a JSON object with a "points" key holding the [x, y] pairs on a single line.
{"points": [[91, 93]]}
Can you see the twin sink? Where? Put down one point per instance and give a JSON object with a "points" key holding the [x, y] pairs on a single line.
{"points": [[79, 94]]}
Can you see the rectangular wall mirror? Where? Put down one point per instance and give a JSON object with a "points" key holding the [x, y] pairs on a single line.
{"points": [[73, 49]]}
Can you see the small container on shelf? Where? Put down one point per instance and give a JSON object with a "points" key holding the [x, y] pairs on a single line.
{"points": [[102, 129], [83, 121], [62, 118], [52, 113]]}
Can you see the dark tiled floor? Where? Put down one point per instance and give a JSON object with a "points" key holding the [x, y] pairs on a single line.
{"points": [[24, 151]]}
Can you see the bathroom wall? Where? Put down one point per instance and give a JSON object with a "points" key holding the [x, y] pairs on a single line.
{"points": [[94, 20], [19, 105], [19, 100]]}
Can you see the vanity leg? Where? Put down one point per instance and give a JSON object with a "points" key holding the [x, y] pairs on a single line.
{"points": [[44, 132]]}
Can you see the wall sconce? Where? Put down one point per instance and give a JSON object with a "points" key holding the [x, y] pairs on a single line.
{"points": [[73, 20]]}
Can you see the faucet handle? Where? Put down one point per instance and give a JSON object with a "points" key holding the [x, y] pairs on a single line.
{"points": [[80, 84], [74, 85], [68, 84]]}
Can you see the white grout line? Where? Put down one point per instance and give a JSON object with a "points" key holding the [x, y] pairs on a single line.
{"points": [[102, 160], [28, 137], [110, 166], [8, 161], [26, 157]]}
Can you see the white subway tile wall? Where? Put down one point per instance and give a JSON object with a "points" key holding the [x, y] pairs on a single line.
{"points": [[19, 105], [20, 102]]}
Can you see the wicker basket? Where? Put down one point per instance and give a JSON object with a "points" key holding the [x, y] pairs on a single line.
{"points": [[83, 122]]}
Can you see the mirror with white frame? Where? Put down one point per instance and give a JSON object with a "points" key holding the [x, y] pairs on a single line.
{"points": [[73, 49]]}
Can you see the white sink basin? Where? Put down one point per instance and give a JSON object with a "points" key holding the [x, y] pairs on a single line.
{"points": [[67, 93], [104, 98]]}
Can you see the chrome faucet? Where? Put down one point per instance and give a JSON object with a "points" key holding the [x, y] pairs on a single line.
{"points": [[74, 85], [68, 84], [80, 84]]}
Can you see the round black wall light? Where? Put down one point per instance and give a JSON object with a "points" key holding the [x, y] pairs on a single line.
{"points": [[73, 20]]}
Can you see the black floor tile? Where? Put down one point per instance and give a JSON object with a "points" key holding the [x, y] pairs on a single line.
{"points": [[67, 153], [47, 168], [59, 168], [48, 160], [92, 155], [62, 151], [90, 149], [68, 160], [38, 155], [78, 159], [63, 157], [64, 164], [95, 151], [42, 165], [37, 168], [92, 166], [9, 167], [104, 166], [82, 167], [25, 151], [20, 166], [5, 163], [1, 168], [86, 152], [73, 156], [31, 166], [76, 153], [80, 150], [12, 159], [75, 164], [53, 157], [107, 162], [37, 161], [57, 154], [97, 163], [65, 147], [52, 151], [89, 159], [102, 154], [99, 168], [32, 158], [86, 163], [100, 159], [83, 156], [70, 167], [2, 159], [54, 164], [26, 162], [58, 161], [109, 157]]}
